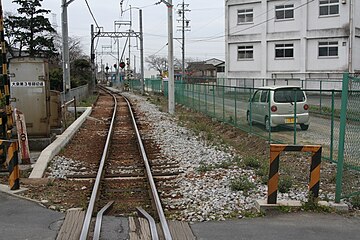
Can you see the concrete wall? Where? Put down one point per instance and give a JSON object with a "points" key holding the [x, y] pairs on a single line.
{"points": [[80, 93], [304, 31]]}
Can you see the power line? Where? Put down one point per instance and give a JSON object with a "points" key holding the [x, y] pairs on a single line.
{"points": [[92, 15], [255, 25]]}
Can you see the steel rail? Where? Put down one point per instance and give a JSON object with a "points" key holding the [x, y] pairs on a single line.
{"points": [[99, 218], [151, 221], [164, 224], [90, 209]]}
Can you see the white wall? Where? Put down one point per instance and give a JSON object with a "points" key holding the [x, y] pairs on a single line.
{"points": [[283, 25], [327, 22], [246, 28], [276, 65], [339, 63]]}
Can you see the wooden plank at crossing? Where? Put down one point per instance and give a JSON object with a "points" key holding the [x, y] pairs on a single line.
{"points": [[180, 231], [71, 228], [139, 229]]}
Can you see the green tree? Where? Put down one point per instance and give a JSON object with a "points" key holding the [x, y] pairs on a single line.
{"points": [[80, 72], [29, 31]]}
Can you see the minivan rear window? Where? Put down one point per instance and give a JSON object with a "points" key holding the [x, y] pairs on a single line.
{"points": [[287, 95]]}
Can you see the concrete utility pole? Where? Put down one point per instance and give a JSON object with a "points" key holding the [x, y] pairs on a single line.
{"points": [[171, 83], [141, 52], [65, 53], [185, 27]]}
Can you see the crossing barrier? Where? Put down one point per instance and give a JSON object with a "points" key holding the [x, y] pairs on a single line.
{"points": [[276, 150]]}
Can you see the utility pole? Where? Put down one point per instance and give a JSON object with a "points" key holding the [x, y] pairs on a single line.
{"points": [[141, 52], [65, 42], [184, 27]]}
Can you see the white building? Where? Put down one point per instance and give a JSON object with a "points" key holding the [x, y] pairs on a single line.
{"points": [[292, 38]]}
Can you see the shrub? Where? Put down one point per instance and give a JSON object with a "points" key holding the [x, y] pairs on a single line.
{"points": [[252, 162], [285, 183], [355, 201], [241, 184]]}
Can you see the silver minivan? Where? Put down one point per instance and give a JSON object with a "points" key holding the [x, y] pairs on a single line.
{"points": [[282, 107]]}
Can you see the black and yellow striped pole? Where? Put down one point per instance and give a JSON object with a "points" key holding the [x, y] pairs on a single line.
{"points": [[13, 165], [5, 92], [275, 151], [273, 182], [9, 150]]}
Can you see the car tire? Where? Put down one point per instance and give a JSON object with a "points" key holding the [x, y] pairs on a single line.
{"points": [[248, 118], [267, 125], [304, 127]]}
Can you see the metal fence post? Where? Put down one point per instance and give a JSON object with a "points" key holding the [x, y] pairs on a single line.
{"points": [[214, 100], [340, 164], [235, 120], [206, 91], [332, 124], [295, 109], [223, 102]]}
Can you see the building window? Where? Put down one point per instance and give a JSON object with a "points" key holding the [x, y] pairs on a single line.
{"points": [[245, 52], [328, 7], [328, 49], [245, 16], [284, 50], [284, 12]]}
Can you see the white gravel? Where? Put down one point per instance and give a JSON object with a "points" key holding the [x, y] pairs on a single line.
{"points": [[202, 196]]}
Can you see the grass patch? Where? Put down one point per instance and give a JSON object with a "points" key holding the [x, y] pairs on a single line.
{"points": [[241, 184], [252, 162], [355, 201], [285, 183], [89, 101]]}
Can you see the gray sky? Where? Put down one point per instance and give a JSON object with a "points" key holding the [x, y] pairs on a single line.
{"points": [[207, 21]]}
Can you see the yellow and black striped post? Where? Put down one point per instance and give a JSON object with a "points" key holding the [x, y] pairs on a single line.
{"points": [[275, 151], [9, 150]]}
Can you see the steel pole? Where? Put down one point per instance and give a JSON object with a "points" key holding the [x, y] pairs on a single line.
{"points": [[171, 90], [141, 53], [65, 49]]}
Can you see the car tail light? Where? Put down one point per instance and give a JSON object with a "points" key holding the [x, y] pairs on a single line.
{"points": [[306, 107], [273, 108]]}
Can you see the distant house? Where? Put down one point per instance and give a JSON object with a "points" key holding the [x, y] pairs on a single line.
{"points": [[207, 69]]}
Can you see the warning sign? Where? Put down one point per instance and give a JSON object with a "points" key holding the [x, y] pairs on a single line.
{"points": [[28, 84]]}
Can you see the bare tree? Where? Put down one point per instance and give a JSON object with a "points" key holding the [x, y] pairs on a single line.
{"points": [[157, 63]]}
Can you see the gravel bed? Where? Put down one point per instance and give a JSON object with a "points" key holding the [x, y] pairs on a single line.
{"points": [[203, 196]]}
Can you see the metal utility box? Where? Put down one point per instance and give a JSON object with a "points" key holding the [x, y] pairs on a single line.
{"points": [[55, 109], [30, 91]]}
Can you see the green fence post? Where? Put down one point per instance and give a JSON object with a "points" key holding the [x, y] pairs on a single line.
{"points": [[340, 165], [235, 106], [206, 90], [295, 109], [320, 96], [214, 100], [332, 124], [223, 97], [193, 96], [199, 96], [269, 109]]}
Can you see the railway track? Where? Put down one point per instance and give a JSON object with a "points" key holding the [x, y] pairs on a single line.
{"points": [[124, 179]]}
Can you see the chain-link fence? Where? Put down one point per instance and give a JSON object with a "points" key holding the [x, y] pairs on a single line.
{"points": [[252, 109], [348, 173]]}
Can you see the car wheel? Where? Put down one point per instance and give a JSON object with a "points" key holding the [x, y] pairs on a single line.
{"points": [[248, 118], [304, 127], [268, 125]]}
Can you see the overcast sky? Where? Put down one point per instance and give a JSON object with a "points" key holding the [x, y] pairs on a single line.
{"points": [[207, 21]]}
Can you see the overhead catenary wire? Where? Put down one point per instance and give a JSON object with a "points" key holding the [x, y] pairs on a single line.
{"points": [[250, 27], [91, 13]]}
